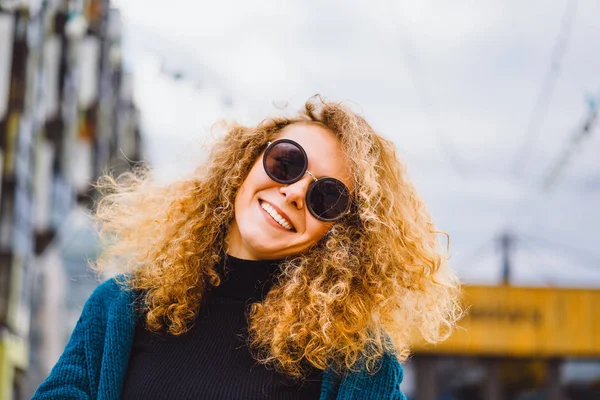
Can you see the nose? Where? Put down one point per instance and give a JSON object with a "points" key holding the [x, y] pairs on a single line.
{"points": [[295, 193]]}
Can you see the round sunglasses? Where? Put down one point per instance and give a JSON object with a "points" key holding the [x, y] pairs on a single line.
{"points": [[285, 161]]}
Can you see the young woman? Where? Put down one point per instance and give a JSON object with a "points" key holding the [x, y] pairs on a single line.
{"points": [[298, 262]]}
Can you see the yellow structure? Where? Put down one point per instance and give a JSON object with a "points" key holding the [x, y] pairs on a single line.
{"points": [[526, 322], [13, 359]]}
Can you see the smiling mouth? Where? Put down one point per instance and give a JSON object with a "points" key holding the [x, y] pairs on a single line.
{"points": [[274, 216]]}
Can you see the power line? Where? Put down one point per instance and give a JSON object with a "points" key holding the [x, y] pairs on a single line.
{"points": [[540, 109], [574, 142], [550, 272], [557, 168], [551, 178], [475, 252], [565, 249], [413, 63], [544, 275]]}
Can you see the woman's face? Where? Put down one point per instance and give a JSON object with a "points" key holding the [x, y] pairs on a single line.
{"points": [[254, 234]]}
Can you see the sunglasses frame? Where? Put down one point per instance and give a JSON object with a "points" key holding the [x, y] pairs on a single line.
{"points": [[301, 175]]}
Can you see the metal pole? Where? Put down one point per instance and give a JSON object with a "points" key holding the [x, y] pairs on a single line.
{"points": [[553, 384], [506, 244], [427, 383], [492, 388]]}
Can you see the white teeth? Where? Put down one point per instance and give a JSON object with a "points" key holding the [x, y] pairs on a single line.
{"points": [[273, 213]]}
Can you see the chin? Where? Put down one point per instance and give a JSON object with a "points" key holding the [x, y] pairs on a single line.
{"points": [[259, 241], [261, 247]]}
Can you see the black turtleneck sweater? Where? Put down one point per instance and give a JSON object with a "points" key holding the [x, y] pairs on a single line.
{"points": [[212, 360]]}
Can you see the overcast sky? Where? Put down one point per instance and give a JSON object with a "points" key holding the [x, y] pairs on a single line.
{"points": [[453, 85]]}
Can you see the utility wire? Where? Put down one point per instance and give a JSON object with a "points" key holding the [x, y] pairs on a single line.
{"points": [[413, 63], [565, 249], [469, 257], [574, 142], [557, 168], [540, 109], [544, 275], [551, 178], [551, 273]]}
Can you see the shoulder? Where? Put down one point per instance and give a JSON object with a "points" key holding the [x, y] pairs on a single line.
{"points": [[109, 287], [388, 370], [383, 382], [110, 295], [392, 368], [103, 332]]}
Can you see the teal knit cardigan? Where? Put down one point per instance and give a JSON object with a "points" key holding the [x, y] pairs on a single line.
{"points": [[94, 361]]}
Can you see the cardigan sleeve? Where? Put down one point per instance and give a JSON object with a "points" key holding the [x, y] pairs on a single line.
{"points": [[384, 384], [68, 378], [72, 376]]}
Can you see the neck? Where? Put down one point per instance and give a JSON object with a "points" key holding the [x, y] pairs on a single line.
{"points": [[246, 279], [234, 244]]}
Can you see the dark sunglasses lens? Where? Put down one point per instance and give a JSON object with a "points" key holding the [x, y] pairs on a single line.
{"points": [[284, 161], [328, 199]]}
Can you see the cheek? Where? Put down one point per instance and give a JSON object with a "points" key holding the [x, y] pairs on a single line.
{"points": [[256, 178], [316, 229], [255, 181]]}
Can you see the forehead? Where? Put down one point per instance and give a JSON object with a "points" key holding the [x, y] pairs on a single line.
{"points": [[324, 151]]}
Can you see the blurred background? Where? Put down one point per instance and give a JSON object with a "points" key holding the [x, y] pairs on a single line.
{"points": [[492, 104]]}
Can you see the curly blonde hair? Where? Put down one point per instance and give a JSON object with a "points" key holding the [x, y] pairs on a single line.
{"points": [[372, 284]]}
